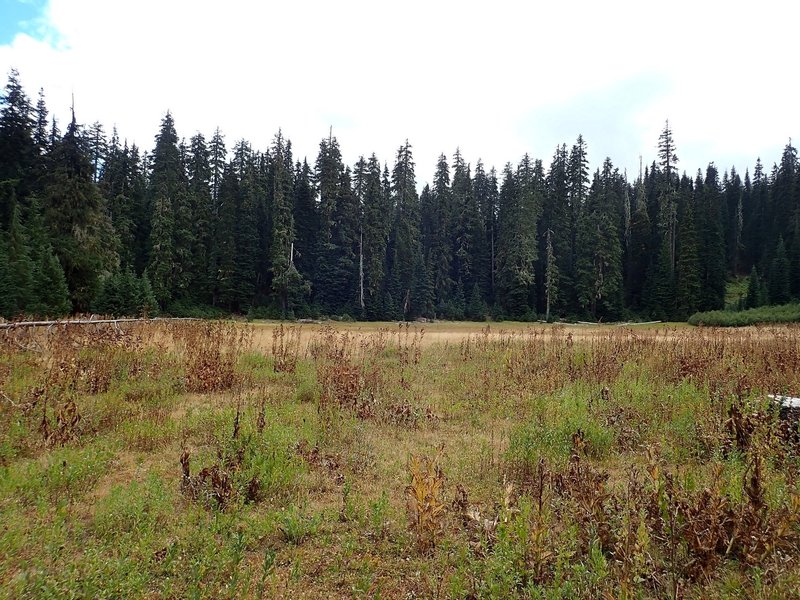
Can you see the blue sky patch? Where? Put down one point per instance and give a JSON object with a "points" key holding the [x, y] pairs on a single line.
{"points": [[21, 16]]}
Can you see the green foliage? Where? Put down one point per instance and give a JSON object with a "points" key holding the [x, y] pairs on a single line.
{"points": [[258, 229], [786, 313], [125, 294]]}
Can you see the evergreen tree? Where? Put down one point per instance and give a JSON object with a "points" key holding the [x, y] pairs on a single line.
{"points": [[49, 289], [712, 246], [599, 252], [484, 188], [8, 304], [97, 146], [41, 132], [733, 194], [18, 155], [248, 208], [688, 268], [516, 253], [667, 156], [329, 176], [305, 219], [289, 287], [468, 233], [222, 262], [638, 250], [20, 264], [404, 248], [557, 217], [376, 223], [77, 219], [440, 244], [200, 205], [753, 298], [171, 237], [779, 283]]}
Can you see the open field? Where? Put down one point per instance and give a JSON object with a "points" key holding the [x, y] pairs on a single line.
{"points": [[446, 460]]}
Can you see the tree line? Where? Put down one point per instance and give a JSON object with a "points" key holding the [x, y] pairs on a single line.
{"points": [[91, 223]]}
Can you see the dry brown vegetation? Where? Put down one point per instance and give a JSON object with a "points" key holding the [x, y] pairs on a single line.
{"points": [[220, 459]]}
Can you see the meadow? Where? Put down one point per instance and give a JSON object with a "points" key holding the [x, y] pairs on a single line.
{"points": [[214, 459]]}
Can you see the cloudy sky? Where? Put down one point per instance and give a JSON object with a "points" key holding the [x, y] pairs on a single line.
{"points": [[496, 79]]}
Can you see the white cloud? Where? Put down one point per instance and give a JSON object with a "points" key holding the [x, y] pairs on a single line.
{"points": [[442, 74]]}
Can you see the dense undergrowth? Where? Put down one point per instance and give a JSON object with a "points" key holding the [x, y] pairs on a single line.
{"points": [[762, 315], [221, 460]]}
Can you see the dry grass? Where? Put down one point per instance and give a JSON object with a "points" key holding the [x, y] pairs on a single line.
{"points": [[423, 460]]}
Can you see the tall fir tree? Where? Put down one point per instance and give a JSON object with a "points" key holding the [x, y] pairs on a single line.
{"points": [[404, 247], [77, 220]]}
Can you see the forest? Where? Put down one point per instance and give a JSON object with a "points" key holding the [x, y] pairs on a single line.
{"points": [[90, 223]]}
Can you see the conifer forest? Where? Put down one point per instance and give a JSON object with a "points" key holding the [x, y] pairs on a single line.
{"points": [[268, 447], [207, 225]]}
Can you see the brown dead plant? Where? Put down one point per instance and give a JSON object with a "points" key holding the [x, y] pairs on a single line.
{"points": [[425, 500]]}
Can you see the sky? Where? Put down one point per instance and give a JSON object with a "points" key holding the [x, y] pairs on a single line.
{"points": [[495, 80]]}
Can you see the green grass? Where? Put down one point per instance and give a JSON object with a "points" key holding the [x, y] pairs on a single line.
{"points": [[105, 513]]}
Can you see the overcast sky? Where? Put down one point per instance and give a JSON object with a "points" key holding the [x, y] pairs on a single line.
{"points": [[496, 79]]}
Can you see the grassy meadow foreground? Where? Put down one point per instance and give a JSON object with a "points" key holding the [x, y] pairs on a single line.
{"points": [[224, 460]]}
